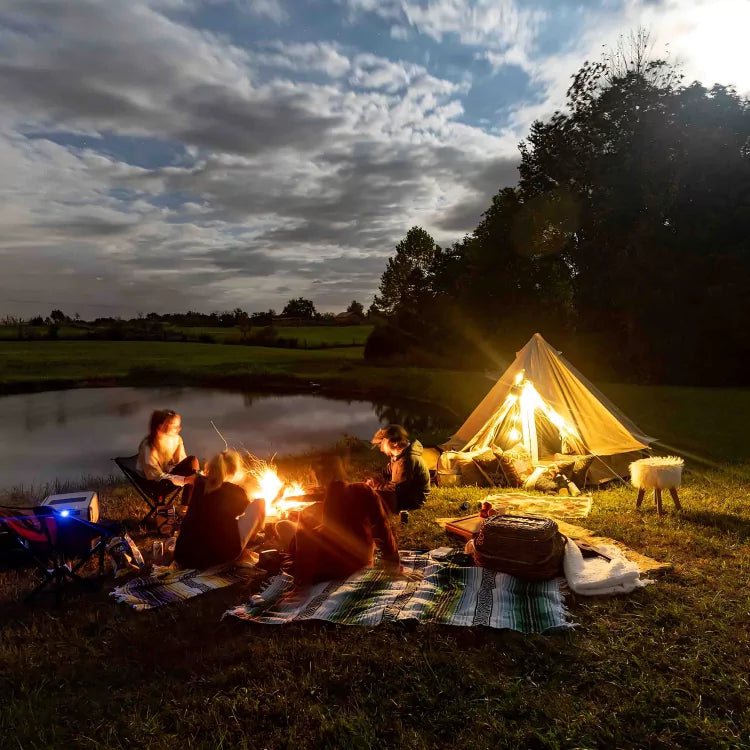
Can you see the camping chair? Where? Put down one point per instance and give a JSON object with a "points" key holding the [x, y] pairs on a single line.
{"points": [[58, 543], [159, 498]]}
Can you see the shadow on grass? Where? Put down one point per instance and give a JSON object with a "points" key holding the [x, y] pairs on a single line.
{"points": [[725, 522]]}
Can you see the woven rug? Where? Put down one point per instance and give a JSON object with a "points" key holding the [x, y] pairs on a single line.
{"points": [[449, 594], [551, 506], [166, 586]]}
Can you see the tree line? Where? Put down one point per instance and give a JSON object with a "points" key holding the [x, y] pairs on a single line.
{"points": [[626, 241], [299, 308]]}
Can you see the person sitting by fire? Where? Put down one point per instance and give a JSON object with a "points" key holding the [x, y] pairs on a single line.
{"points": [[354, 523], [405, 482], [221, 520], [162, 458]]}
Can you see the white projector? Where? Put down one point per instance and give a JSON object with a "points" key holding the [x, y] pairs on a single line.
{"points": [[84, 504]]}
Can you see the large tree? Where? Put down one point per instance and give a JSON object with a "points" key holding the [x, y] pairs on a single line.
{"points": [[650, 182], [407, 276], [300, 308]]}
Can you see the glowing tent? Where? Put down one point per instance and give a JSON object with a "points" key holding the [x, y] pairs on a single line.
{"points": [[543, 402]]}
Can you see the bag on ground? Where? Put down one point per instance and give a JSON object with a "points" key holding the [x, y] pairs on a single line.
{"points": [[527, 547]]}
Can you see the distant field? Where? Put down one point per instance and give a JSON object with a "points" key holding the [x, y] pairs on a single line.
{"points": [[710, 423], [305, 335], [84, 360], [10, 333]]}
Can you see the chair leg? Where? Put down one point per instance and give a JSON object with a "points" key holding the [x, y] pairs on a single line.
{"points": [[641, 495], [673, 493], [657, 493], [48, 577], [151, 512]]}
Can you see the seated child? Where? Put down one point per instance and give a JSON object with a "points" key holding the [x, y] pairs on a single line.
{"points": [[354, 523], [162, 458], [405, 483], [220, 520]]}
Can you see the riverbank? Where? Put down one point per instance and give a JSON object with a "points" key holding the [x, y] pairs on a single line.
{"points": [[703, 424], [27, 367]]}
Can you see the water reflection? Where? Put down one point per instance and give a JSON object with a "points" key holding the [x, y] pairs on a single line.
{"points": [[69, 434]]}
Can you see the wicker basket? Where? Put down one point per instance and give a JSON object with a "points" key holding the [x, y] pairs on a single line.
{"points": [[527, 547]]}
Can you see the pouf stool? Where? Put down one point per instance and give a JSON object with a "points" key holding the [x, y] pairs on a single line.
{"points": [[657, 474]]}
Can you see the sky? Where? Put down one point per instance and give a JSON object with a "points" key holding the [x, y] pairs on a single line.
{"points": [[166, 155]]}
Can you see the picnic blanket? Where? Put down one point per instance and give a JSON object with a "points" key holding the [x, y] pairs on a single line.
{"points": [[449, 594], [552, 506], [165, 586]]}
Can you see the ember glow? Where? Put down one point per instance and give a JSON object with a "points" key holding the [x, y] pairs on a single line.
{"points": [[276, 493]]}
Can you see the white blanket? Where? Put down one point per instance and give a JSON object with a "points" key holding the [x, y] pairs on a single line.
{"points": [[595, 576]]}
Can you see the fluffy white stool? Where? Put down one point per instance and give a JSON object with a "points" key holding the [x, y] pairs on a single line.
{"points": [[657, 474]]}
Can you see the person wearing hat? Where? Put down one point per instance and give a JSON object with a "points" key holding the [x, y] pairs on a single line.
{"points": [[405, 482]]}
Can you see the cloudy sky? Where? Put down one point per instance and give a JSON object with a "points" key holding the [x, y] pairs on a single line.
{"points": [[165, 155]]}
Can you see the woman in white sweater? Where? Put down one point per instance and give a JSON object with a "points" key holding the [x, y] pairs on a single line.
{"points": [[162, 458]]}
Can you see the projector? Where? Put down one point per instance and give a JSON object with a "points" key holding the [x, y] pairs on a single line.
{"points": [[83, 504]]}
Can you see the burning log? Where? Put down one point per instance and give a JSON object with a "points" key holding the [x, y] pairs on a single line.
{"points": [[280, 497]]}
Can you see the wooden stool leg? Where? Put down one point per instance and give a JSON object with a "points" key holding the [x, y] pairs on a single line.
{"points": [[638, 502], [657, 494], [673, 493]]}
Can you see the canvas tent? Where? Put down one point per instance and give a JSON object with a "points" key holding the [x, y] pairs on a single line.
{"points": [[543, 402]]}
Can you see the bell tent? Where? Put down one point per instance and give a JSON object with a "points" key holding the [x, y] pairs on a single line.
{"points": [[543, 402]]}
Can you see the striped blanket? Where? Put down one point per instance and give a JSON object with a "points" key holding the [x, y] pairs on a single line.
{"points": [[449, 594], [165, 586]]}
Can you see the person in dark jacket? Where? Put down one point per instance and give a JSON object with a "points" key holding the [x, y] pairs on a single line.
{"points": [[405, 483], [353, 524], [220, 520]]}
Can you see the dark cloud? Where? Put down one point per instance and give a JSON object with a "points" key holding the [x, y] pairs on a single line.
{"points": [[284, 182]]}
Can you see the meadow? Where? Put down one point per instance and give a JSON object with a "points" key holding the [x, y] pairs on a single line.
{"points": [[306, 336], [666, 667]]}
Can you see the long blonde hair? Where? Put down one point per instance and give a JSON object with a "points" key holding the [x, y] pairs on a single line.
{"points": [[221, 468]]}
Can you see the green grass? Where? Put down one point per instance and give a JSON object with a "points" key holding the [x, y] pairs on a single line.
{"points": [[708, 423], [307, 336], [10, 333], [82, 361], [666, 667]]}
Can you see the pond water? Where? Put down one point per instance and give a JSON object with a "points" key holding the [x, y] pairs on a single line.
{"points": [[73, 434]]}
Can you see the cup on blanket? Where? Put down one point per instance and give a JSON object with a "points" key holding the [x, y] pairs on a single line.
{"points": [[270, 561]]}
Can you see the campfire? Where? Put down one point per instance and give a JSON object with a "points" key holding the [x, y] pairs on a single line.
{"points": [[280, 497]]}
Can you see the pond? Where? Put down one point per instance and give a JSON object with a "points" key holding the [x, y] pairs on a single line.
{"points": [[73, 434]]}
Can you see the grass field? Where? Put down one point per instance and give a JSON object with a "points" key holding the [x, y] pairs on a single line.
{"points": [[307, 336], [666, 667]]}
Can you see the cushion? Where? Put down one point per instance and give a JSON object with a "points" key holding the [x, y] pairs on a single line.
{"points": [[579, 471], [546, 482], [489, 462], [522, 467], [470, 474], [512, 477]]}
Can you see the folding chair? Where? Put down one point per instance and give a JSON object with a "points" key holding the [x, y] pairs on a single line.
{"points": [[159, 496], [58, 543]]}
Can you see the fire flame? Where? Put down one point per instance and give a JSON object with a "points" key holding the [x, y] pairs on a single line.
{"points": [[275, 492]]}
